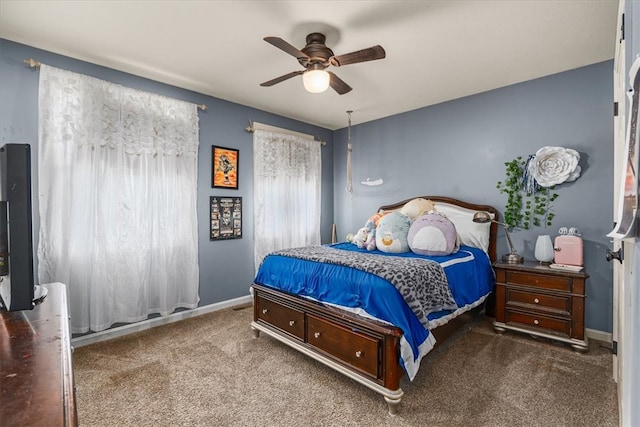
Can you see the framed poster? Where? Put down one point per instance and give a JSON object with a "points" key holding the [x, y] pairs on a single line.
{"points": [[224, 167], [226, 218]]}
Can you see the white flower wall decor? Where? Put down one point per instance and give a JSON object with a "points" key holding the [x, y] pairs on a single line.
{"points": [[554, 165], [529, 185]]}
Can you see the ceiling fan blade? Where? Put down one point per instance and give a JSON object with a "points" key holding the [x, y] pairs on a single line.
{"points": [[338, 84], [282, 78], [369, 54], [281, 44]]}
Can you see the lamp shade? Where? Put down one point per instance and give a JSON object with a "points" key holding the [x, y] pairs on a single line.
{"points": [[315, 81], [482, 217]]}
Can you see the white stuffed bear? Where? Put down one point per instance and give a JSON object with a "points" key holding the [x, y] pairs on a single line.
{"points": [[360, 238]]}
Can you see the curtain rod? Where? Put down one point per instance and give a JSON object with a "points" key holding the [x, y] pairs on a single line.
{"points": [[251, 128], [36, 64]]}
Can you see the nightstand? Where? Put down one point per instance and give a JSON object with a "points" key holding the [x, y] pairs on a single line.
{"points": [[541, 301]]}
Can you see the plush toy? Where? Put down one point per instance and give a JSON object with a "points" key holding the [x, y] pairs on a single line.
{"points": [[416, 207], [370, 241], [359, 238], [433, 234], [391, 233], [371, 226]]}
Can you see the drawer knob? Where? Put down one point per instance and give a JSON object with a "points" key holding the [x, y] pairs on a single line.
{"points": [[265, 311], [536, 300], [292, 322], [535, 322], [358, 353], [316, 335]]}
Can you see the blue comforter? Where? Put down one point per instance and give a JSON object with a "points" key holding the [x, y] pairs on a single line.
{"points": [[468, 273]]}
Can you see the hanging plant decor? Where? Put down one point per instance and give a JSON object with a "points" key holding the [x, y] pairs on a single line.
{"points": [[529, 185]]}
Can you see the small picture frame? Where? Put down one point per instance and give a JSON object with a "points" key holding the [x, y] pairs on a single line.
{"points": [[225, 218], [224, 167]]}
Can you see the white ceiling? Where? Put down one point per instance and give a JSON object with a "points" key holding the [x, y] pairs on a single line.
{"points": [[436, 50]]}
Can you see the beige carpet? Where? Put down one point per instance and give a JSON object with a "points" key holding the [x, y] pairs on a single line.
{"points": [[210, 371]]}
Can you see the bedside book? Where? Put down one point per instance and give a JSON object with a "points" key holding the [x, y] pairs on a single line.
{"points": [[566, 267]]}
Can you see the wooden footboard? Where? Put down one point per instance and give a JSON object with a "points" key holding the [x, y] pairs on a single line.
{"points": [[364, 350]]}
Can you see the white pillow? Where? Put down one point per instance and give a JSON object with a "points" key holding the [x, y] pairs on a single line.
{"points": [[470, 233]]}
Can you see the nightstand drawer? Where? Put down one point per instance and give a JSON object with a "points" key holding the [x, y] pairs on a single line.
{"points": [[545, 281], [331, 338], [537, 321], [538, 301], [282, 317]]}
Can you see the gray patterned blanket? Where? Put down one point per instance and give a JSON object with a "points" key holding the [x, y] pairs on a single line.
{"points": [[421, 282]]}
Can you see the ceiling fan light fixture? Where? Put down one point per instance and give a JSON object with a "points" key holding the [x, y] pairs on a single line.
{"points": [[316, 81], [315, 57]]}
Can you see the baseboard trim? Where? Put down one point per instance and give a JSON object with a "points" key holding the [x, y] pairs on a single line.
{"points": [[119, 331], [151, 323], [597, 335]]}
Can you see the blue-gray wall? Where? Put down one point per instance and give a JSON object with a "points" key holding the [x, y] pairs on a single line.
{"points": [[456, 148], [459, 148], [226, 267]]}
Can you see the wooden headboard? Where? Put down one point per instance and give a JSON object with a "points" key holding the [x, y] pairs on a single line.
{"points": [[472, 207]]}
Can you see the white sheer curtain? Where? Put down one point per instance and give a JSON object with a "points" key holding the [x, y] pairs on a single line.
{"points": [[117, 193], [286, 192]]}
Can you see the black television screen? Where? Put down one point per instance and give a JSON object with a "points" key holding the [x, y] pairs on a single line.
{"points": [[16, 238]]}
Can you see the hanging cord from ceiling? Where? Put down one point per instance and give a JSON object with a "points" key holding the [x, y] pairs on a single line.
{"points": [[349, 150]]}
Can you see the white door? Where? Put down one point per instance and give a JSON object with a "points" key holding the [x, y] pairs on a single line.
{"points": [[626, 317]]}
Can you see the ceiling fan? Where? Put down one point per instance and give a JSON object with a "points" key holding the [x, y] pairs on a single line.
{"points": [[315, 57]]}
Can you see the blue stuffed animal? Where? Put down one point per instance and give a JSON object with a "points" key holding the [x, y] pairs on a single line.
{"points": [[371, 225], [392, 232]]}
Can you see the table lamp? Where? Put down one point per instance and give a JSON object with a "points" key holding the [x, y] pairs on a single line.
{"points": [[483, 217]]}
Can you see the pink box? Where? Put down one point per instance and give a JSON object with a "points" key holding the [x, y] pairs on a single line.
{"points": [[569, 250]]}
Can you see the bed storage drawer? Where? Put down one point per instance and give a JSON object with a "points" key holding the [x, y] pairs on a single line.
{"points": [[345, 341], [286, 319], [357, 349]]}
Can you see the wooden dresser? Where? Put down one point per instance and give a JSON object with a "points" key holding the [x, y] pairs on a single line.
{"points": [[541, 301], [36, 374]]}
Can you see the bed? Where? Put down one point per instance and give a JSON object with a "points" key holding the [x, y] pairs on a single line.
{"points": [[364, 325]]}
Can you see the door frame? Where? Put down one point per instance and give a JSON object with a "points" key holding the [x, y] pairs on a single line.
{"points": [[619, 129]]}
